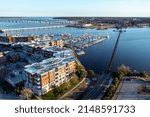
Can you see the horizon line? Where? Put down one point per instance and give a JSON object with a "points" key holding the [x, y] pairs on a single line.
{"points": [[84, 16]]}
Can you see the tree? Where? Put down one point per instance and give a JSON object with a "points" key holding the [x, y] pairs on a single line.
{"points": [[80, 71], [91, 73], [118, 74], [125, 70], [57, 91], [65, 86], [26, 93], [73, 81], [144, 74], [116, 81]]}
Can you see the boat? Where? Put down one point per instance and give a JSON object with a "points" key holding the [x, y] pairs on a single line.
{"points": [[80, 52], [96, 40]]}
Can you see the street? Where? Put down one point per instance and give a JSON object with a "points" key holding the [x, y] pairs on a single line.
{"points": [[97, 90]]}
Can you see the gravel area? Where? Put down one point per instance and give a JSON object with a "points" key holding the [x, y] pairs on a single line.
{"points": [[130, 88]]}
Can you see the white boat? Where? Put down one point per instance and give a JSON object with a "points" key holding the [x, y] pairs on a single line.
{"points": [[81, 53]]}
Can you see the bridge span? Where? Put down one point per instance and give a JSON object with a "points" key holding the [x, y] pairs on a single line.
{"points": [[31, 21], [31, 28]]}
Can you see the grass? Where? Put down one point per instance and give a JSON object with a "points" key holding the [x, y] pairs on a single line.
{"points": [[57, 92]]}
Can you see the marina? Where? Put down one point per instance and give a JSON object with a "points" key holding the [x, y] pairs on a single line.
{"points": [[96, 52], [83, 41]]}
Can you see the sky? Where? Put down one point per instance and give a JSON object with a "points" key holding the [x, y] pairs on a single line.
{"points": [[125, 8]]}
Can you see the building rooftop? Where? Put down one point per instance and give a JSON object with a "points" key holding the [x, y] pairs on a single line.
{"points": [[12, 35], [47, 65], [39, 43], [15, 77], [59, 52], [56, 49]]}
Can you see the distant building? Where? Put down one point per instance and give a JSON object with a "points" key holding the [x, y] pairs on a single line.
{"points": [[58, 52], [36, 47], [15, 77], [41, 77], [16, 38], [143, 25], [3, 58], [87, 25], [56, 43], [12, 56], [51, 41]]}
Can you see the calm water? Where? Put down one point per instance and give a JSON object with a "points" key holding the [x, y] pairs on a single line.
{"points": [[133, 49]]}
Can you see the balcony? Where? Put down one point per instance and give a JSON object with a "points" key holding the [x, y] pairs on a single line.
{"points": [[37, 87], [56, 73], [38, 83], [37, 78]]}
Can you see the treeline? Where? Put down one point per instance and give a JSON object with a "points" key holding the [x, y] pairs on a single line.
{"points": [[117, 75], [80, 71]]}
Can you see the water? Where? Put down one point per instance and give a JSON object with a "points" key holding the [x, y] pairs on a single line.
{"points": [[133, 48]]}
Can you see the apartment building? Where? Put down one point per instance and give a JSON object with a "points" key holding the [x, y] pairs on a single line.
{"points": [[12, 56], [56, 52], [36, 46], [41, 77], [16, 38], [56, 43]]}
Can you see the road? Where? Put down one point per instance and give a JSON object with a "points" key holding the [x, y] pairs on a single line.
{"points": [[97, 90]]}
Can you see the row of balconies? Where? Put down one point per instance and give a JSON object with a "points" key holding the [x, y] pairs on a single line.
{"points": [[48, 87], [58, 78]]}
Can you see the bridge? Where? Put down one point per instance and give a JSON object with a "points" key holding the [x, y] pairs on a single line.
{"points": [[31, 28], [36, 21]]}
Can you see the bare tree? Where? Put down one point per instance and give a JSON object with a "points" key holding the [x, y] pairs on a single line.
{"points": [[26, 93], [124, 69]]}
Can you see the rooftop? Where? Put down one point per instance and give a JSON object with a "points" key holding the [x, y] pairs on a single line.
{"points": [[15, 77], [39, 43], [47, 65], [55, 48]]}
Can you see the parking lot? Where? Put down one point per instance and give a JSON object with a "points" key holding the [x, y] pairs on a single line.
{"points": [[129, 89]]}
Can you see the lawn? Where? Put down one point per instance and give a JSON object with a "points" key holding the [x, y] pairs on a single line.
{"points": [[57, 92]]}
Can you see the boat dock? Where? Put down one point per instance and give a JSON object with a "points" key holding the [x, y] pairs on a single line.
{"points": [[79, 43]]}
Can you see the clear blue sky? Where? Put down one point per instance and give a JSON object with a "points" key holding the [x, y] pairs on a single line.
{"points": [[75, 8]]}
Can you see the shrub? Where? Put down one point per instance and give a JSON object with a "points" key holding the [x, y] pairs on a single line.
{"points": [[80, 71], [144, 74], [91, 73], [124, 70]]}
